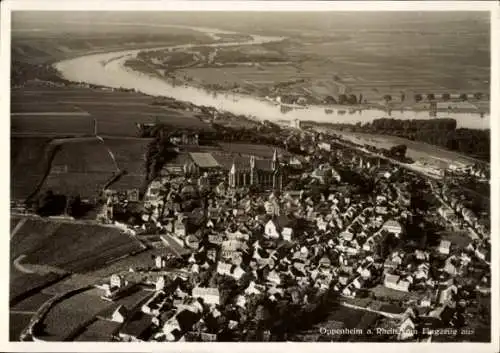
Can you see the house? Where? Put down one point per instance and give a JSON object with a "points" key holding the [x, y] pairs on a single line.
{"points": [[224, 268], [321, 224], [172, 330], [347, 235], [204, 163], [160, 261], [153, 193], [271, 230], [116, 281], [447, 294], [160, 283], [281, 225], [426, 301], [215, 239], [446, 212], [406, 329], [444, 247], [421, 255], [155, 304], [422, 272], [180, 228], [287, 233], [274, 277], [209, 295], [237, 272], [325, 262], [230, 247], [451, 266], [395, 282], [252, 289], [116, 313], [393, 227]]}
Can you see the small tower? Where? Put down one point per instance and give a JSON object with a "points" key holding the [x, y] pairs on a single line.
{"points": [[277, 179], [232, 176], [275, 164], [253, 171]]}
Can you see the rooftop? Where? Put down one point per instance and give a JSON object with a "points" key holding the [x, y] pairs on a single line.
{"points": [[204, 160]]}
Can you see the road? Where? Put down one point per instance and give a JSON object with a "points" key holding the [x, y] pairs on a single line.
{"points": [[174, 246], [472, 233]]}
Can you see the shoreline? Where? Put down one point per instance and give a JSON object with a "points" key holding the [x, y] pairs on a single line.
{"points": [[115, 74]]}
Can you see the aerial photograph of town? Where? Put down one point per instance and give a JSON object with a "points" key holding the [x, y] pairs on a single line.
{"points": [[184, 176]]}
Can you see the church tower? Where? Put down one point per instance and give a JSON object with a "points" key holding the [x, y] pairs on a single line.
{"points": [[232, 176], [277, 177], [253, 171], [275, 164]]}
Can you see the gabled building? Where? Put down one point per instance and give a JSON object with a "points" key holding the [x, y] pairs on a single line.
{"points": [[263, 173]]}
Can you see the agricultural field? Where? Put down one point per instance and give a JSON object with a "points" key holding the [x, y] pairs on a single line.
{"points": [[31, 304], [71, 247], [129, 154], [55, 124], [22, 285], [142, 259], [56, 39], [99, 331], [261, 151], [333, 56], [116, 113], [28, 164], [67, 316], [80, 167], [17, 323]]}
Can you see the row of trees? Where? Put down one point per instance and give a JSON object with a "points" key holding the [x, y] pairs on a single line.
{"points": [[445, 97], [49, 204], [412, 125], [159, 151], [351, 99], [439, 132]]}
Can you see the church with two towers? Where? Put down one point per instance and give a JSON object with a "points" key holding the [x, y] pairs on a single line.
{"points": [[263, 173]]}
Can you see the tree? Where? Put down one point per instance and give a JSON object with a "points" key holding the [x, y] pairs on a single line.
{"points": [[430, 96], [74, 207], [342, 99], [398, 151], [478, 95], [387, 98], [352, 99], [418, 97], [463, 97], [50, 204], [445, 97], [330, 100]]}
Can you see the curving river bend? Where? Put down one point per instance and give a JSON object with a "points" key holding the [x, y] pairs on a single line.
{"points": [[108, 69]]}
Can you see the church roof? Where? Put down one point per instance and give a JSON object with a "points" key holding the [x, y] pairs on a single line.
{"points": [[242, 163]]}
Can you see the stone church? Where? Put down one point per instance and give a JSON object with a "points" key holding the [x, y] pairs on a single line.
{"points": [[264, 173]]}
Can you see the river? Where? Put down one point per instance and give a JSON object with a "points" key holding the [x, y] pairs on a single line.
{"points": [[108, 69]]}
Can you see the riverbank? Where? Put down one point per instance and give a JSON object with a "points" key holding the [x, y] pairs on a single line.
{"points": [[113, 73]]}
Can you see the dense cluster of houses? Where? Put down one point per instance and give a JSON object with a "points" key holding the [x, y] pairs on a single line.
{"points": [[250, 251]]}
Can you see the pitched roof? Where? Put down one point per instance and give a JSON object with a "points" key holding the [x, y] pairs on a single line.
{"points": [[204, 160], [445, 243], [392, 278]]}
